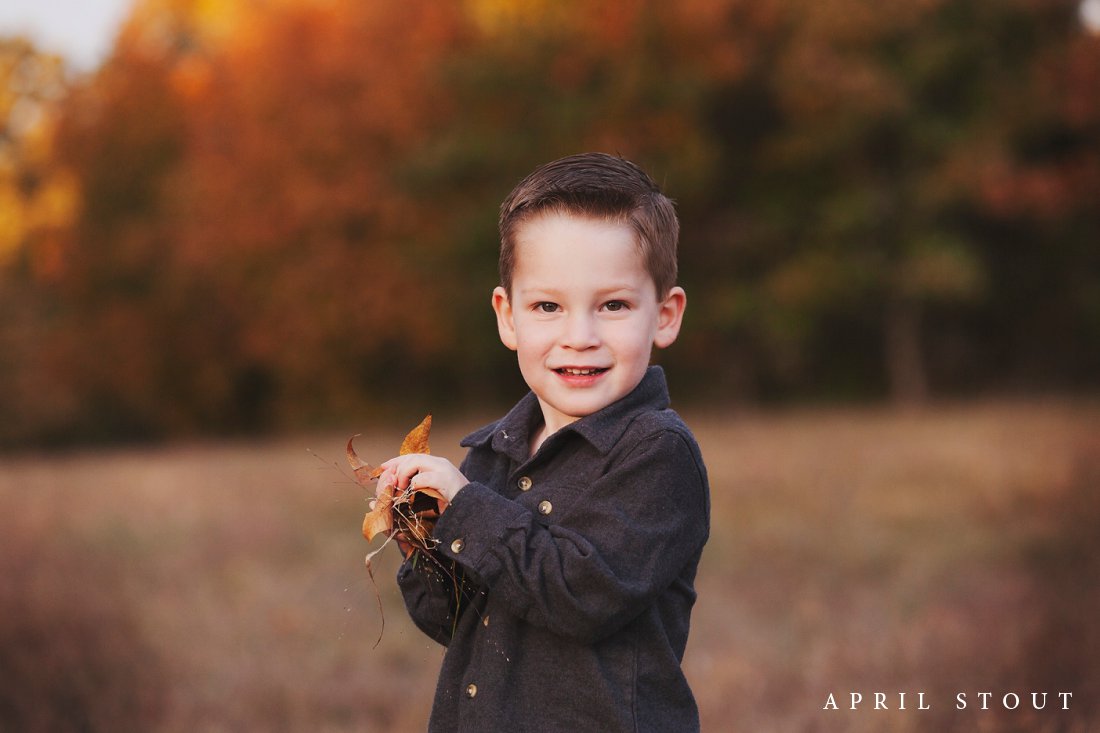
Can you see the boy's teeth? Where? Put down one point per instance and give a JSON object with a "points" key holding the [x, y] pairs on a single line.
{"points": [[580, 372]]}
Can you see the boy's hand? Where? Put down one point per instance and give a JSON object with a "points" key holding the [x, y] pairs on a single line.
{"points": [[423, 471], [419, 471]]}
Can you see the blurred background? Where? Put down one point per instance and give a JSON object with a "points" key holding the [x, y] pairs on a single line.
{"points": [[230, 231]]}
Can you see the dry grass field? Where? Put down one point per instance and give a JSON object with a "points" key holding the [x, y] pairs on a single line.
{"points": [[221, 587]]}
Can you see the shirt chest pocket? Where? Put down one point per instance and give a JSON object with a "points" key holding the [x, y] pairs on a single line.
{"points": [[549, 500]]}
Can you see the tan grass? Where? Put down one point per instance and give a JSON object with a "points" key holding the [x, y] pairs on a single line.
{"points": [[851, 550]]}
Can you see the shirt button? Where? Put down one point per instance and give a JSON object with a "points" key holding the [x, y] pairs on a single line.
{"points": [[471, 690], [485, 621], [545, 507], [457, 545], [525, 483]]}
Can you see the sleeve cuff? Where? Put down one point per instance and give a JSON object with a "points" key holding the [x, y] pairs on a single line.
{"points": [[473, 524]]}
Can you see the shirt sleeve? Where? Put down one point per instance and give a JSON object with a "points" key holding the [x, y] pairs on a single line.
{"points": [[428, 585], [626, 542]]}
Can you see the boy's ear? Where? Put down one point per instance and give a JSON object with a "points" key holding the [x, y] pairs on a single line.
{"points": [[670, 314], [506, 325]]}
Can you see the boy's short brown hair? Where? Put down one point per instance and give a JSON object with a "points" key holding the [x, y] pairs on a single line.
{"points": [[598, 186]]}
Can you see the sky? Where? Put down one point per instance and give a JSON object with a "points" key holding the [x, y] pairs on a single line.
{"points": [[1090, 14], [82, 31]]}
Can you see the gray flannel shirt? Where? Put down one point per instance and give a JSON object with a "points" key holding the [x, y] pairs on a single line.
{"points": [[567, 605]]}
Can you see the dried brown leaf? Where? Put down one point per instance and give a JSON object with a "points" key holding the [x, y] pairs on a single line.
{"points": [[417, 439], [364, 472], [390, 504], [407, 516], [379, 520]]}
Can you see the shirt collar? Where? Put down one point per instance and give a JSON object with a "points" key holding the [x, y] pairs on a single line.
{"points": [[511, 434]]}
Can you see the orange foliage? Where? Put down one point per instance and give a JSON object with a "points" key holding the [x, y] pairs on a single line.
{"points": [[241, 169]]}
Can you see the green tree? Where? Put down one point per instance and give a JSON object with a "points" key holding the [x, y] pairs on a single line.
{"points": [[536, 81], [861, 197]]}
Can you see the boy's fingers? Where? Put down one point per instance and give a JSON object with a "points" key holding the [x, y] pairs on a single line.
{"points": [[425, 480], [422, 471], [385, 479], [407, 466]]}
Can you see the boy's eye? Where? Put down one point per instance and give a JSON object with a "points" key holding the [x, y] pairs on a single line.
{"points": [[546, 307], [615, 305]]}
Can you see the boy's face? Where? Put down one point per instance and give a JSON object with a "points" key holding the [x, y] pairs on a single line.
{"points": [[583, 315]]}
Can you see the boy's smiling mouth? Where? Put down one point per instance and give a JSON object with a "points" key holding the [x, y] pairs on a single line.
{"points": [[580, 371]]}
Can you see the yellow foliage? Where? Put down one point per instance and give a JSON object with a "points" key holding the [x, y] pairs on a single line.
{"points": [[500, 16], [37, 196]]}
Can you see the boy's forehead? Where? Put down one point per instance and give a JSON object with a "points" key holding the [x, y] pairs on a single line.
{"points": [[565, 229], [565, 225], [547, 249]]}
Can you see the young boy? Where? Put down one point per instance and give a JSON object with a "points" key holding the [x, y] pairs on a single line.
{"points": [[576, 522]]}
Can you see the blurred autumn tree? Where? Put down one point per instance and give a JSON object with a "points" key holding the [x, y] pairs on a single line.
{"points": [[38, 202], [283, 212], [242, 259]]}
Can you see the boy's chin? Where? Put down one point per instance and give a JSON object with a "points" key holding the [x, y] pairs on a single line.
{"points": [[567, 410]]}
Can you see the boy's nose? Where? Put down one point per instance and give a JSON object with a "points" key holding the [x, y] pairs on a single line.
{"points": [[580, 333]]}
